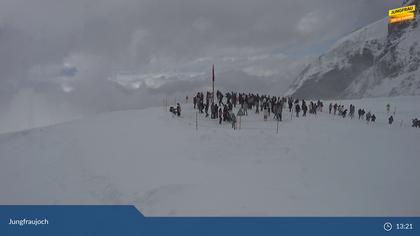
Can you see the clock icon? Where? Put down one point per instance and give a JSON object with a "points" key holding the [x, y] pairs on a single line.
{"points": [[387, 226]]}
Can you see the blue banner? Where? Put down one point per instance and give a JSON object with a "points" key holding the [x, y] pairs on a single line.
{"points": [[127, 220]]}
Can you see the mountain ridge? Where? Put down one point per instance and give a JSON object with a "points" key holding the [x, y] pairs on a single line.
{"points": [[380, 59]]}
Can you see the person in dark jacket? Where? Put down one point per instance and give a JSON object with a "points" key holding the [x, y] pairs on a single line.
{"points": [[344, 113], [304, 108], [297, 109], [373, 118], [206, 109], [213, 111], [290, 105], [178, 110], [390, 120], [368, 117], [416, 123]]}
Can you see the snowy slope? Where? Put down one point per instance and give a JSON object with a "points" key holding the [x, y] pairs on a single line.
{"points": [[377, 60], [322, 165]]}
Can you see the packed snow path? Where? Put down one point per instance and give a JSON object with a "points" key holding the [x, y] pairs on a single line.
{"points": [[321, 165]]}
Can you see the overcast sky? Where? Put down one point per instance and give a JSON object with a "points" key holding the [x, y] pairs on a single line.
{"points": [[77, 45]]}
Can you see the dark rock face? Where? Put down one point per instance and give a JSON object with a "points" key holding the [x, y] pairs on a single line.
{"points": [[333, 83]]}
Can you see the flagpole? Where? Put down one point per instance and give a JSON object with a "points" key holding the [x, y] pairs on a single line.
{"points": [[213, 85]]}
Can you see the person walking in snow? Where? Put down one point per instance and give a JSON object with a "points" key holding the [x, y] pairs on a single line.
{"points": [[290, 104], [362, 113], [178, 110], [390, 120], [212, 111], [220, 115], [279, 111], [416, 123], [233, 119], [330, 108], [320, 105], [297, 109], [206, 109], [225, 113], [352, 110], [368, 115], [304, 108], [246, 106], [373, 118], [344, 113], [265, 113]]}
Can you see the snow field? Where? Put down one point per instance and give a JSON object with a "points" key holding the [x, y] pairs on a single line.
{"points": [[314, 166]]}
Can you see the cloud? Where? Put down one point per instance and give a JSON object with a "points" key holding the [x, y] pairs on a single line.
{"points": [[309, 23], [72, 51], [129, 34]]}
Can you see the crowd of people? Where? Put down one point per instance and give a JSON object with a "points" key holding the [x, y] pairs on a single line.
{"points": [[222, 105], [350, 112], [416, 123], [176, 110]]}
